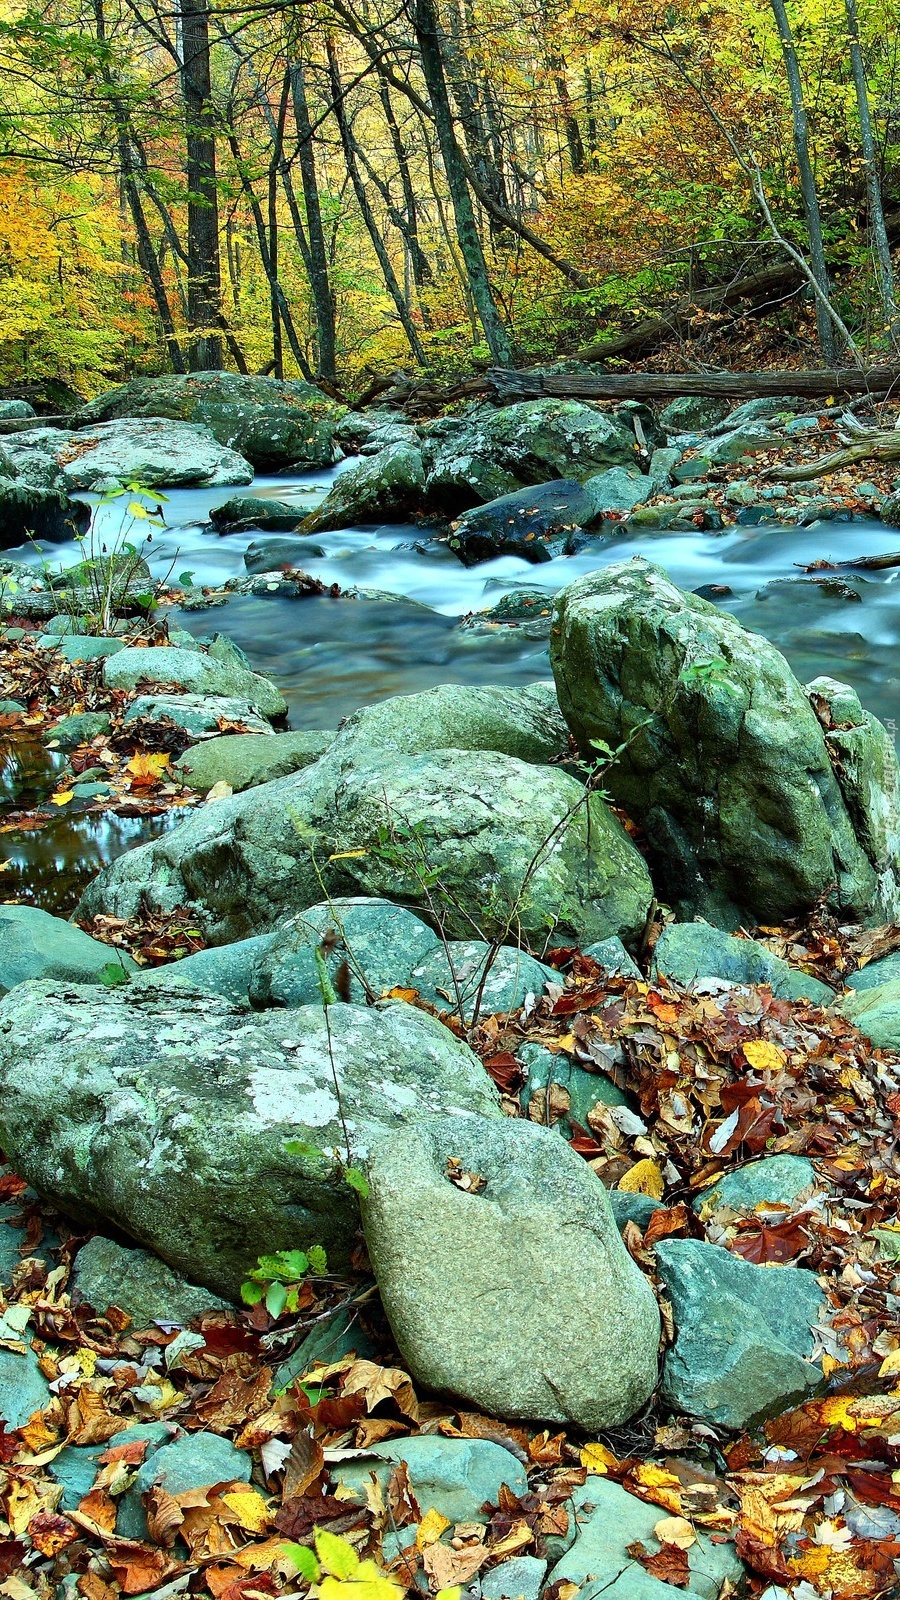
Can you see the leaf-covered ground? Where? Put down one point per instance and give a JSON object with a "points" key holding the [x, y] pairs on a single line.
{"points": [[718, 1076]]}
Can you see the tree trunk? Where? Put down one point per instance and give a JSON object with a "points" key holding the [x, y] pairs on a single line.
{"points": [[204, 287], [425, 23], [884, 265], [814, 385], [319, 277], [807, 179]]}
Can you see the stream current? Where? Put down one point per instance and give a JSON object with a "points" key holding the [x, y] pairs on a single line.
{"points": [[330, 656]]}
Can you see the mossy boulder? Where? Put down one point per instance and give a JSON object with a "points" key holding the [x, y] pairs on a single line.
{"points": [[270, 422], [526, 723], [723, 761], [176, 1116], [194, 672], [387, 485], [244, 760]]}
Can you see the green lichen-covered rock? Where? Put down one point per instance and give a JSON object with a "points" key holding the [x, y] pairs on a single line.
{"points": [[106, 1274], [195, 673], [776, 1180], [224, 969], [515, 846], [168, 1114], [36, 511], [743, 1333], [23, 1387], [688, 951], [692, 413], [526, 723], [379, 943], [494, 451], [726, 767], [865, 763], [197, 714], [584, 1089], [607, 1520], [617, 489], [69, 732], [150, 452], [34, 944], [244, 760], [374, 490], [536, 524], [254, 511], [876, 1013], [271, 422], [875, 973], [82, 647], [520, 1297], [468, 976]]}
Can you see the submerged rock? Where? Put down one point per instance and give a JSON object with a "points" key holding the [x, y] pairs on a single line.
{"points": [[172, 1114], [34, 944], [566, 1328], [725, 765], [244, 760], [688, 951], [743, 1333], [515, 846], [272, 422]]}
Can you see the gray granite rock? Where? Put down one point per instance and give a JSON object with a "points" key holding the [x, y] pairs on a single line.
{"points": [[379, 943], [194, 673], [106, 1274], [457, 1477], [35, 944], [244, 760], [469, 974]]}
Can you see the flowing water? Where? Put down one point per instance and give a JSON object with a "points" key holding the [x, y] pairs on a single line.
{"points": [[330, 656]]}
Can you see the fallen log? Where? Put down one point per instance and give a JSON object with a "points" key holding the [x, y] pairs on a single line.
{"points": [[758, 290], [874, 563], [879, 446], [814, 384]]}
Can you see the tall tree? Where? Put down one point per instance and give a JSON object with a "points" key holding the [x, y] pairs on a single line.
{"points": [[204, 279], [884, 264]]}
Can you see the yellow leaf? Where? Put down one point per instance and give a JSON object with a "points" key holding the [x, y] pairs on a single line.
{"points": [[643, 1178], [764, 1057], [220, 791], [890, 1365], [369, 1584], [675, 1530], [63, 798], [337, 1556], [566, 1041], [143, 765], [249, 1509], [346, 855], [597, 1458], [430, 1528]]}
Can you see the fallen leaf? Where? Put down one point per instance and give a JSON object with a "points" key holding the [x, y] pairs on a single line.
{"points": [[644, 1177]]}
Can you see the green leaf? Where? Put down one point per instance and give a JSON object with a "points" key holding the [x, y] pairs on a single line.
{"points": [[276, 1299], [318, 1260], [252, 1293], [285, 1265], [113, 975], [337, 1556], [358, 1181], [304, 1561], [300, 1147], [186, 579]]}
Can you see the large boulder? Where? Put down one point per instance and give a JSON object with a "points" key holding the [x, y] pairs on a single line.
{"points": [[536, 524], [273, 423], [516, 1293], [194, 672], [387, 485], [171, 1114], [526, 723], [692, 951], [34, 944], [167, 454], [107, 1274], [244, 760], [865, 763], [243, 511], [876, 1013], [493, 451], [379, 945], [31, 511], [487, 838], [724, 764]]}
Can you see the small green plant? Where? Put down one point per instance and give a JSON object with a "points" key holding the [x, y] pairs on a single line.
{"points": [[277, 1279], [97, 588], [336, 1572], [113, 975]]}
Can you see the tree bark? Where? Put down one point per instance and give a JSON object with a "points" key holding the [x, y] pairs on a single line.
{"points": [[807, 178], [810, 385], [425, 24], [319, 276], [884, 265], [204, 285]]}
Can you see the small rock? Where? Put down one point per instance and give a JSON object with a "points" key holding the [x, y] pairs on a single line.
{"points": [[608, 1520], [192, 1461], [439, 1250], [197, 713], [107, 1275], [518, 1579], [611, 955], [224, 969], [534, 523], [875, 973], [743, 1333], [628, 1207], [253, 511], [77, 1466], [72, 731], [617, 489], [335, 1337], [457, 1477], [272, 555], [380, 944], [692, 413], [584, 1089], [662, 464], [34, 944], [459, 974], [876, 1013], [245, 760], [689, 951], [81, 647], [15, 410], [23, 1387], [775, 1180], [194, 673]]}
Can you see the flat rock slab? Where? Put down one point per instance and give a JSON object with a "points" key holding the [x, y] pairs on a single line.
{"points": [[743, 1333], [457, 1477], [195, 673], [470, 978], [245, 760], [153, 452], [197, 713], [215, 1135], [608, 1520], [566, 1328], [34, 944]]}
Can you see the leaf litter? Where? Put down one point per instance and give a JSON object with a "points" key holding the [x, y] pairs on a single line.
{"points": [[718, 1076]]}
